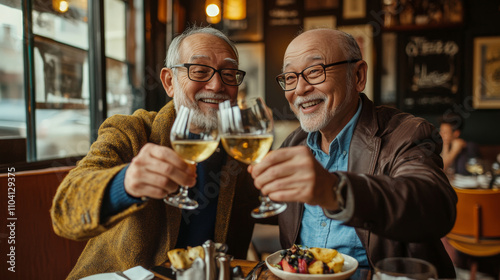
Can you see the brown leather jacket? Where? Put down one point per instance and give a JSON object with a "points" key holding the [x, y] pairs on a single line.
{"points": [[403, 202]]}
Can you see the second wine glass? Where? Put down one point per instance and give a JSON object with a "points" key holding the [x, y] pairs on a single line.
{"points": [[194, 144], [246, 133]]}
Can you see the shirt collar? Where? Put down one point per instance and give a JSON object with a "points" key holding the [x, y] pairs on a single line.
{"points": [[343, 138]]}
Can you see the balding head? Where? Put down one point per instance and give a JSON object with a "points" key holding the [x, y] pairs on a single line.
{"points": [[336, 42]]}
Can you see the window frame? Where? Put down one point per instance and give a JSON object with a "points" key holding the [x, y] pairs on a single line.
{"points": [[97, 80]]}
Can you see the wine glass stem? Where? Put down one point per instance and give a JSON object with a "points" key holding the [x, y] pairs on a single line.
{"points": [[183, 192], [266, 204], [264, 199]]}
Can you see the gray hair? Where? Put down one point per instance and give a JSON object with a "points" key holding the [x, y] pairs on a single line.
{"points": [[173, 53], [351, 50], [349, 46]]}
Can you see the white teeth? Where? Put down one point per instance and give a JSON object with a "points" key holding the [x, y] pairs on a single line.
{"points": [[310, 103], [214, 101]]}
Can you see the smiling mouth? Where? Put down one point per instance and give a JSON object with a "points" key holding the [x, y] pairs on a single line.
{"points": [[211, 100], [310, 103]]}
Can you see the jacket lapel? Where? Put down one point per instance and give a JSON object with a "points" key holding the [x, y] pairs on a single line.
{"points": [[174, 216], [225, 201], [162, 124], [364, 144]]}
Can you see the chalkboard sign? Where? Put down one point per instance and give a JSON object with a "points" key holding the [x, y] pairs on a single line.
{"points": [[430, 70]]}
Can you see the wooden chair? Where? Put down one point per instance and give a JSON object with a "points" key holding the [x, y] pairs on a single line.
{"points": [[39, 252], [477, 228]]}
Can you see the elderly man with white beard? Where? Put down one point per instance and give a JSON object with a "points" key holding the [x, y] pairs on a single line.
{"points": [[362, 179], [113, 198]]}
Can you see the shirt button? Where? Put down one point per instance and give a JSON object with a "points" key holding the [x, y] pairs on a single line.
{"points": [[323, 224], [344, 153]]}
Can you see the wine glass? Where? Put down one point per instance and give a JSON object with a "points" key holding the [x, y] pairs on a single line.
{"points": [[246, 133], [194, 144], [404, 268]]}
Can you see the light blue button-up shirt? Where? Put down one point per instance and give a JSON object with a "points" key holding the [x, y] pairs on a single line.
{"points": [[316, 229]]}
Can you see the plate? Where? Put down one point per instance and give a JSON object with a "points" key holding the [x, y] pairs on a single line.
{"points": [[465, 182], [102, 276], [350, 266]]}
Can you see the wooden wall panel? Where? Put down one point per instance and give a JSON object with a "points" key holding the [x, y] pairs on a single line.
{"points": [[39, 252]]}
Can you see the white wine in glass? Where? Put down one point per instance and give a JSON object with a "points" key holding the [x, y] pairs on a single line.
{"points": [[193, 144], [194, 151], [248, 149], [246, 133]]}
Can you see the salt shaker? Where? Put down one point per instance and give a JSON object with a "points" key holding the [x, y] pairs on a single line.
{"points": [[224, 267]]}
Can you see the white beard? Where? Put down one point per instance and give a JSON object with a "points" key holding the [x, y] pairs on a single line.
{"points": [[313, 121], [203, 120], [318, 120]]}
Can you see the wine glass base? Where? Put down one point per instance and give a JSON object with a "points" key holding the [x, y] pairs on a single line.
{"points": [[180, 202], [268, 210]]}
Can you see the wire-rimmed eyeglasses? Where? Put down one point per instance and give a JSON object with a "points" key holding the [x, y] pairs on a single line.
{"points": [[203, 73], [315, 74]]}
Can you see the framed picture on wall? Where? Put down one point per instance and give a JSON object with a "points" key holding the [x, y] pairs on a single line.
{"points": [[251, 59], [320, 22], [318, 5], [388, 80], [486, 73], [354, 9], [59, 74]]}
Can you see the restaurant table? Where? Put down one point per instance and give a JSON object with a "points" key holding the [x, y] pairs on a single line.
{"points": [[246, 267]]}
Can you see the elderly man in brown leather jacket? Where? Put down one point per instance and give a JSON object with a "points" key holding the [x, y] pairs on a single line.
{"points": [[363, 179]]}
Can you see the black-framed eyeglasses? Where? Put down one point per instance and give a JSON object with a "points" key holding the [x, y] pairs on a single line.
{"points": [[203, 73], [315, 74]]}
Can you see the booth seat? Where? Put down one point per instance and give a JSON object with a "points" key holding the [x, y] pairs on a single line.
{"points": [[28, 243]]}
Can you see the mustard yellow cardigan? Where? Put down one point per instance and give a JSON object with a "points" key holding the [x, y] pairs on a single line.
{"points": [[143, 233]]}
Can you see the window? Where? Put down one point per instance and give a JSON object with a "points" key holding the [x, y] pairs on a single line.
{"points": [[118, 92], [48, 91], [61, 75], [12, 99]]}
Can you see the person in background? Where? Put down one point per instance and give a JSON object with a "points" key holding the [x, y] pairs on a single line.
{"points": [[365, 180], [113, 198], [456, 151]]}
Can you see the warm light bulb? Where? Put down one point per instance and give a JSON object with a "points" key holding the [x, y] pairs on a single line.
{"points": [[212, 10], [63, 6], [235, 9]]}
